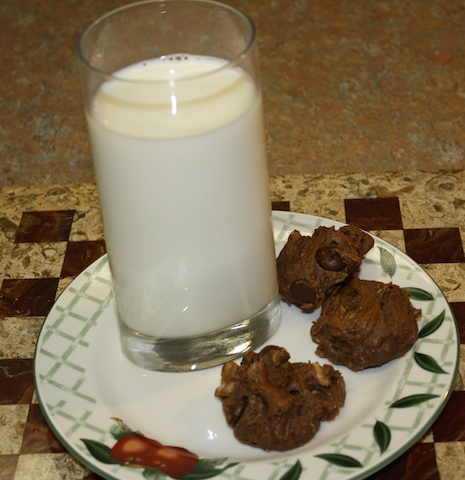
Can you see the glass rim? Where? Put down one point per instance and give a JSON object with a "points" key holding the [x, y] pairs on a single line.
{"points": [[226, 65]]}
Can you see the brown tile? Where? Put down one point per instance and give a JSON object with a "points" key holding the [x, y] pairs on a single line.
{"points": [[450, 426], [417, 463], [8, 465], [38, 437], [459, 312], [16, 381], [50, 226], [434, 245], [80, 255], [374, 213], [283, 205], [27, 297]]}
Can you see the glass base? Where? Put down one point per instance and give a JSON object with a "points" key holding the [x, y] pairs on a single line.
{"points": [[186, 354]]}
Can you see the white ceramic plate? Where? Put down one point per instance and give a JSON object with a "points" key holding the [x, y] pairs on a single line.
{"points": [[84, 382]]}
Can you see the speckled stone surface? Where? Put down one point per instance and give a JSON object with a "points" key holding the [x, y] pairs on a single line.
{"points": [[348, 86], [410, 209]]}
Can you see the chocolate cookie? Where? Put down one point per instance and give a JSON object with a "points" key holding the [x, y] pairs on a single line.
{"points": [[309, 267], [366, 324], [276, 405]]}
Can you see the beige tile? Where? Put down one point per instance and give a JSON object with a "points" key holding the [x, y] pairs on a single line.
{"points": [[450, 277], [87, 225], [394, 237], [451, 460], [35, 260], [63, 283], [460, 381], [49, 466], [18, 336], [12, 423]]}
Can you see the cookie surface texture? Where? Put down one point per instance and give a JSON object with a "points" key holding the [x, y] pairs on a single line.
{"points": [[366, 324]]}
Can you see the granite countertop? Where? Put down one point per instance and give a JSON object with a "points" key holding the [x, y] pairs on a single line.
{"points": [[347, 86], [48, 234]]}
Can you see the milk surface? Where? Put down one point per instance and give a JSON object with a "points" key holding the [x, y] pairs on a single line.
{"points": [[183, 185]]}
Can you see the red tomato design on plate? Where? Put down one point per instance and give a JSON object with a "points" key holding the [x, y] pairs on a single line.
{"points": [[135, 449]]}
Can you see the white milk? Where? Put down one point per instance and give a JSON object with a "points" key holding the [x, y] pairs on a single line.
{"points": [[183, 187]]}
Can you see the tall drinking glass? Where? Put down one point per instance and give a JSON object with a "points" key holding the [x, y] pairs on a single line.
{"points": [[173, 104]]}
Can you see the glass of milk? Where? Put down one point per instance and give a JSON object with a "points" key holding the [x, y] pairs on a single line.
{"points": [[174, 112]]}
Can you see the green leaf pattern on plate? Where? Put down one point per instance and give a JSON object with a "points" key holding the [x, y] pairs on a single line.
{"points": [[382, 435], [340, 460], [413, 400], [153, 475], [207, 469], [427, 362], [294, 472], [419, 294], [99, 451], [432, 325], [388, 262]]}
